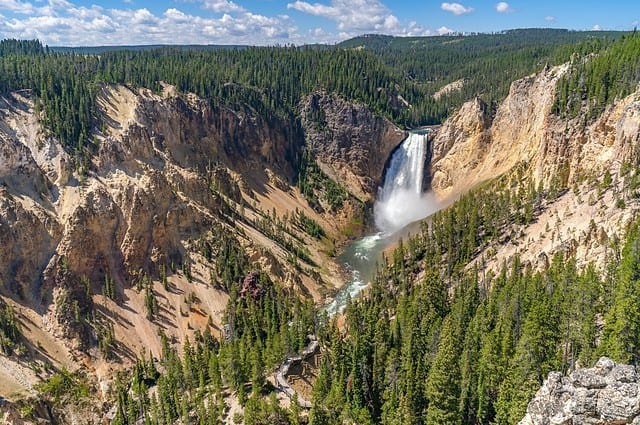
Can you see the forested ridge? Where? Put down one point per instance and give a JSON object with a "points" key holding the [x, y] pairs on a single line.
{"points": [[600, 77], [384, 74], [486, 63]]}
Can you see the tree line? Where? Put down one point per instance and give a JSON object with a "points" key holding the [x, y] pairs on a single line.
{"points": [[600, 75], [395, 77]]}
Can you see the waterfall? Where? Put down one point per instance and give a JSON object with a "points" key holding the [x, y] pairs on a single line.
{"points": [[400, 199]]}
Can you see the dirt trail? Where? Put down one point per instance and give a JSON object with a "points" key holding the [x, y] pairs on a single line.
{"points": [[282, 372]]}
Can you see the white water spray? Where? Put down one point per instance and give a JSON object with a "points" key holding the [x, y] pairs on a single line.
{"points": [[401, 200]]}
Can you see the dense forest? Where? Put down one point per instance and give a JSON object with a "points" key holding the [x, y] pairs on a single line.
{"points": [[438, 341], [192, 383], [592, 83]]}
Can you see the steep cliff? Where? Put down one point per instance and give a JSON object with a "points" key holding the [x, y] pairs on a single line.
{"points": [[549, 153], [350, 142], [87, 234], [471, 148], [146, 190]]}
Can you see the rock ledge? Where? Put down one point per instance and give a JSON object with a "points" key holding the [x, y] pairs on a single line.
{"points": [[608, 393]]}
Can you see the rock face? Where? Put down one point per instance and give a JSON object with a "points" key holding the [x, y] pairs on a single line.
{"points": [[460, 147], [147, 191], [608, 393], [350, 142], [537, 148], [470, 148]]}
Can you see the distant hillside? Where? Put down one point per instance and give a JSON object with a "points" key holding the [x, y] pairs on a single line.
{"points": [[516, 37], [96, 50], [487, 63]]}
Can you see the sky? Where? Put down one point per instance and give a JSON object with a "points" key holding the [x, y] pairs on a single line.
{"points": [[270, 22]]}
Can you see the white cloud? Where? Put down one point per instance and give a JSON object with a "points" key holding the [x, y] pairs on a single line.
{"points": [[414, 30], [316, 9], [138, 17], [72, 23], [60, 4], [444, 30], [550, 18], [456, 8], [176, 15], [103, 24], [39, 24], [355, 17], [17, 6], [503, 7], [86, 13], [319, 33], [597, 27], [221, 6], [92, 26]]}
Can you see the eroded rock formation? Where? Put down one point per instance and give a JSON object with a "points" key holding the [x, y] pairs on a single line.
{"points": [[470, 147], [608, 393]]}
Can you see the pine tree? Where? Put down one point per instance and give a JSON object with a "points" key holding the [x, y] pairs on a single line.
{"points": [[443, 384], [621, 339]]}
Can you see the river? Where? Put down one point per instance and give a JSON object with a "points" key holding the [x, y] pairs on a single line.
{"points": [[401, 202]]}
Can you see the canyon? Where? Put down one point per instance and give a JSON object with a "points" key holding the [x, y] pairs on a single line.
{"points": [[170, 173]]}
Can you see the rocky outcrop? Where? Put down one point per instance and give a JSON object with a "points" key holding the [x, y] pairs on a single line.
{"points": [[350, 142], [29, 236], [460, 146], [195, 134], [608, 393], [470, 148]]}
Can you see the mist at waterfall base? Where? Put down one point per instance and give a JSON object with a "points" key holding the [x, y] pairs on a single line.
{"points": [[400, 202], [400, 199]]}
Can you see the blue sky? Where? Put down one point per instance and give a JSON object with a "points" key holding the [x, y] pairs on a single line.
{"points": [[268, 22]]}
